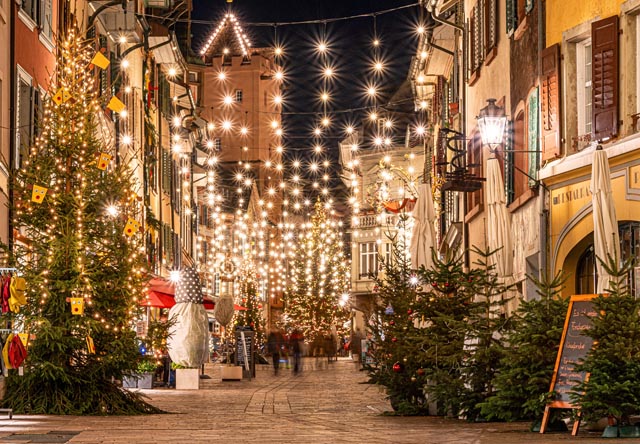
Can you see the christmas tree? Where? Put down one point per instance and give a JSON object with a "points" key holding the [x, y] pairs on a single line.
{"points": [[80, 252], [396, 339], [613, 365], [447, 307], [484, 342], [522, 385], [319, 279], [252, 316]]}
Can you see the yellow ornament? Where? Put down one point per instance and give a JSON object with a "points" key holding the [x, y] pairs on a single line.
{"points": [[100, 60], [132, 227], [77, 306], [38, 194], [24, 338], [103, 160], [116, 105], [91, 348], [61, 96]]}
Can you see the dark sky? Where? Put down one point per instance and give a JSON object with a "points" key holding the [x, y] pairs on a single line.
{"points": [[351, 54]]}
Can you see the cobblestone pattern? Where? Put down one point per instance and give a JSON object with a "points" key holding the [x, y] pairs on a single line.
{"points": [[325, 403]]}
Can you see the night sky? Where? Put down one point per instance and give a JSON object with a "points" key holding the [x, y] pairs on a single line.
{"points": [[350, 52]]}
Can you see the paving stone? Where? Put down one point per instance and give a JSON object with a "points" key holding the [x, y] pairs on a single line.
{"points": [[325, 403]]}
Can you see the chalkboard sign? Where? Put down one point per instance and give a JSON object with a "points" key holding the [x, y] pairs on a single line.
{"points": [[574, 347], [244, 351]]}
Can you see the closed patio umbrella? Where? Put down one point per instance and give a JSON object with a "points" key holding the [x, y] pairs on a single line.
{"points": [[423, 237], [499, 221], [606, 240]]}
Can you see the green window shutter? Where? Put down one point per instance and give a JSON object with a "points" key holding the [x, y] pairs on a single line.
{"points": [[511, 16], [166, 172], [509, 167], [533, 144]]}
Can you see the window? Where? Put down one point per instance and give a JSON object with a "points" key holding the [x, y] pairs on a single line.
{"points": [[238, 95], [38, 13], [483, 35], [474, 162], [28, 114], [368, 259], [583, 90], [217, 144], [194, 77], [516, 12]]}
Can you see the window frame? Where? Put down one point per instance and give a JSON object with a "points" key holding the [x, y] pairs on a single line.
{"points": [[367, 259], [582, 97], [238, 96]]}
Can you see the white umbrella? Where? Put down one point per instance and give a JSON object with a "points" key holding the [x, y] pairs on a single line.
{"points": [[605, 223], [423, 236], [499, 223]]}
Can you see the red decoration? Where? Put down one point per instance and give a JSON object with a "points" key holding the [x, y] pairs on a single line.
{"points": [[409, 311], [420, 371], [394, 339], [397, 367], [392, 322]]}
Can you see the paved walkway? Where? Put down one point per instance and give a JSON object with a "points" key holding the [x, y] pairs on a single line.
{"points": [[325, 403]]}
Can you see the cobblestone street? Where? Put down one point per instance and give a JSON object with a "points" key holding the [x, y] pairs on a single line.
{"points": [[326, 403]]}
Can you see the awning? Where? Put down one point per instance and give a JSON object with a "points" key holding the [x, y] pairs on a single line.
{"points": [[159, 300]]}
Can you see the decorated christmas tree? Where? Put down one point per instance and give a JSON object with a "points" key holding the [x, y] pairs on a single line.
{"points": [[80, 252], [319, 279], [447, 307], [252, 316], [613, 387], [484, 342], [522, 385], [397, 362]]}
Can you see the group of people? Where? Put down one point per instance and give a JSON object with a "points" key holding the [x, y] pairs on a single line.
{"points": [[278, 345]]}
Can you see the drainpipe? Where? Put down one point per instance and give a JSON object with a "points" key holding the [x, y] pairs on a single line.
{"points": [[12, 119]]}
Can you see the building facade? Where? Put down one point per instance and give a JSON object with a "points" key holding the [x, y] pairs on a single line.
{"points": [[590, 64]]}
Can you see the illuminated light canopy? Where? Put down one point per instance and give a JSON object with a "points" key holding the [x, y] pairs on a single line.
{"points": [[231, 25]]}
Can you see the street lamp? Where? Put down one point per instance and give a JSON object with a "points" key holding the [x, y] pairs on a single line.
{"points": [[491, 123]]}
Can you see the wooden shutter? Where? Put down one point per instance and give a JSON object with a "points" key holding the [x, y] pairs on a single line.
{"points": [[604, 70], [508, 163], [490, 26], [550, 102]]}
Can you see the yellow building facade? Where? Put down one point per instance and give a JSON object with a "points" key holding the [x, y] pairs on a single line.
{"points": [[598, 102]]}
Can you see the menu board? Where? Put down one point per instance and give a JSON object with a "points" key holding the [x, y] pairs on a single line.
{"points": [[574, 346]]}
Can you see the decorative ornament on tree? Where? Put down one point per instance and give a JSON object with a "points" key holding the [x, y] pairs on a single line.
{"points": [[389, 310], [38, 194], [397, 367], [394, 339]]}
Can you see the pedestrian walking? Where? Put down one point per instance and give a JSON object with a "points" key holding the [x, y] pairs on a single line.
{"points": [[295, 345], [274, 345]]}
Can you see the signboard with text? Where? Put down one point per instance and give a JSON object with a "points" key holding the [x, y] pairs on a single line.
{"points": [[574, 347]]}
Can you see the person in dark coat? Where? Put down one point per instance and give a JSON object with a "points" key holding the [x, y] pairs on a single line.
{"points": [[274, 345], [295, 345]]}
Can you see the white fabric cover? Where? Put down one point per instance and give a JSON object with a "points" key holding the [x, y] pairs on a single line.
{"points": [[423, 237], [223, 311], [499, 220], [189, 336], [606, 240]]}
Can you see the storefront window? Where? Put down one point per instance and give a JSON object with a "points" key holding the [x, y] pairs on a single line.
{"points": [[586, 272]]}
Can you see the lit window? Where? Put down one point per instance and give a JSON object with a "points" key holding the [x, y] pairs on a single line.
{"points": [[238, 95]]}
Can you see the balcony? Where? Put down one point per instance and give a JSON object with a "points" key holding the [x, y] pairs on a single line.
{"points": [[118, 19]]}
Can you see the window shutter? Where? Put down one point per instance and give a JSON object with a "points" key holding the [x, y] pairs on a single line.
{"points": [[477, 37], [490, 26], [532, 137], [509, 164], [166, 172], [511, 20], [604, 70], [550, 101]]}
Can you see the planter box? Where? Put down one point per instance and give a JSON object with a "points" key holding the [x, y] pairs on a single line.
{"points": [[130, 382], [138, 380], [145, 381], [231, 372], [187, 379]]}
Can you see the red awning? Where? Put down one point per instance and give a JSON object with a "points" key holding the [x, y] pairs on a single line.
{"points": [[158, 299], [162, 286]]}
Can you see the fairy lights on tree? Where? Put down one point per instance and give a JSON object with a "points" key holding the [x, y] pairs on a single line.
{"points": [[318, 292], [81, 252]]}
